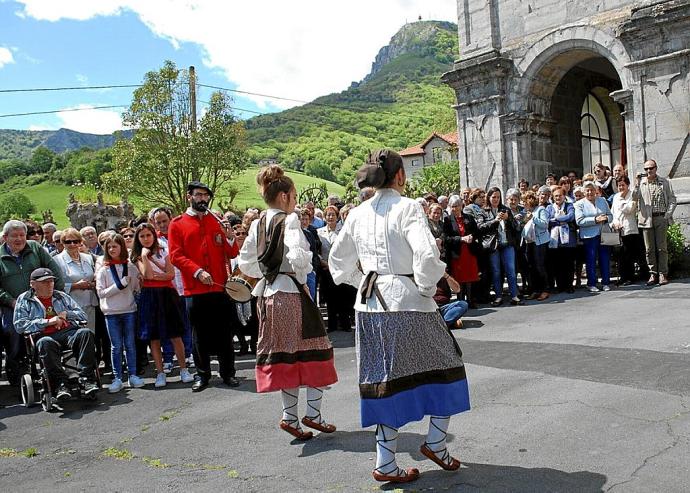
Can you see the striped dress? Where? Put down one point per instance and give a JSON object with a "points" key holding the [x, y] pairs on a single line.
{"points": [[409, 364]]}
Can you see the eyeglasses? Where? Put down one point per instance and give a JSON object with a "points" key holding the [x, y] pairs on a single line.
{"points": [[127, 236], [240, 233], [71, 242], [201, 194]]}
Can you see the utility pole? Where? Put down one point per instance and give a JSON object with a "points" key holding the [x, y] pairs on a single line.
{"points": [[192, 112]]}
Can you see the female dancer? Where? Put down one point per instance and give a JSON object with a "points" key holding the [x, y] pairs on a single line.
{"points": [[293, 350], [409, 363]]}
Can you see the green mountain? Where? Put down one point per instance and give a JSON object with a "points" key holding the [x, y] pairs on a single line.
{"points": [[397, 105], [21, 143]]}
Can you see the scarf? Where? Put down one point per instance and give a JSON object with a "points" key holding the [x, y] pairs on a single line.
{"points": [[560, 232]]}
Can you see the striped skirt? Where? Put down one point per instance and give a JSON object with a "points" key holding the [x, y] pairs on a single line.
{"points": [[283, 359], [410, 366]]}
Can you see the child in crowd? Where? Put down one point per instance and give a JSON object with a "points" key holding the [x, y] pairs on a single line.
{"points": [[160, 314], [117, 279]]}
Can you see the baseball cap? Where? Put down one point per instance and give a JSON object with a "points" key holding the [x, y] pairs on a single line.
{"points": [[42, 274]]}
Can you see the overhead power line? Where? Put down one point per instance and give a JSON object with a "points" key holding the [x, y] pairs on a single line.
{"points": [[63, 110], [80, 88]]}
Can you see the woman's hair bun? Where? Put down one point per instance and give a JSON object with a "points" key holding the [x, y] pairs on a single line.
{"points": [[269, 174], [380, 168]]}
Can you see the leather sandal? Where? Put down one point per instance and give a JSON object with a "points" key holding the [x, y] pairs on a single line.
{"points": [[296, 432], [322, 427], [404, 476], [452, 466]]}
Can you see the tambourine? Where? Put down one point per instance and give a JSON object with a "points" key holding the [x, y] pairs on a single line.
{"points": [[239, 287]]}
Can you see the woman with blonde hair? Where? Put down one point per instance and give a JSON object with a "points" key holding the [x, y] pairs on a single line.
{"points": [[293, 350]]}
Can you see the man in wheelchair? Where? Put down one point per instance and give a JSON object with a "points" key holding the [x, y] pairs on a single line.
{"points": [[54, 319]]}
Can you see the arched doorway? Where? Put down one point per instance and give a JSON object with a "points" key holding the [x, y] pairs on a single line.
{"points": [[588, 126]]}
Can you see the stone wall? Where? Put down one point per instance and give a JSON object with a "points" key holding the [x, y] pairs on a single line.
{"points": [[99, 215]]}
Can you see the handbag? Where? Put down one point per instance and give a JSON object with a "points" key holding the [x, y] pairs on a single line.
{"points": [[610, 237]]}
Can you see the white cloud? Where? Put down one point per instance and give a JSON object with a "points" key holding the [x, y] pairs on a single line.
{"points": [[300, 50], [5, 56], [42, 127], [90, 121]]}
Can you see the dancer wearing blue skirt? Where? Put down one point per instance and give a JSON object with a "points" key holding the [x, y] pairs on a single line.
{"points": [[410, 366]]}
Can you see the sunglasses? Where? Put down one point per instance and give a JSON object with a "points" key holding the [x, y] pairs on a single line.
{"points": [[32, 233], [240, 233], [649, 169], [71, 242], [127, 236]]}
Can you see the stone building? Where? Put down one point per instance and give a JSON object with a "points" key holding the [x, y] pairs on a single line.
{"points": [[436, 148], [548, 86]]}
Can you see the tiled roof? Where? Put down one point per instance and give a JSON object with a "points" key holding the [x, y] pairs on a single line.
{"points": [[451, 138], [412, 151]]}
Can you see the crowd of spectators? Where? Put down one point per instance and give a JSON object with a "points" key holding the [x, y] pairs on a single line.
{"points": [[499, 248]]}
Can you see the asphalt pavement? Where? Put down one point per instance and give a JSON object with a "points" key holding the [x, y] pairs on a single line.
{"points": [[582, 393]]}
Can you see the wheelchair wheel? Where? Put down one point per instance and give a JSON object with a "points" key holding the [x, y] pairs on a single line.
{"points": [[27, 388], [47, 402]]}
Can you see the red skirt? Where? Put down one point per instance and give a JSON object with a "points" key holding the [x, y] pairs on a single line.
{"points": [[283, 359], [465, 267]]}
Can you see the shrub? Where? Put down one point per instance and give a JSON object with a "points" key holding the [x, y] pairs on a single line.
{"points": [[676, 246]]}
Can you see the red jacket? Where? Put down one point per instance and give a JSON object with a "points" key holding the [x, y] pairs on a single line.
{"points": [[198, 242]]}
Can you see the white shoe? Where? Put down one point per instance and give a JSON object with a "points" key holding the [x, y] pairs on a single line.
{"points": [[160, 380], [136, 382], [605, 287], [592, 289], [167, 368], [189, 362], [185, 376], [115, 387]]}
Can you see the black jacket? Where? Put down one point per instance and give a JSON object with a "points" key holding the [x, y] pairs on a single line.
{"points": [[488, 224], [451, 233]]}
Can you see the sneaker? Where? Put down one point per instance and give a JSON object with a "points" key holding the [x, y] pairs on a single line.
{"points": [[115, 387], [136, 382], [189, 362], [592, 289], [605, 287], [167, 368], [185, 376], [91, 388], [160, 380], [63, 392]]}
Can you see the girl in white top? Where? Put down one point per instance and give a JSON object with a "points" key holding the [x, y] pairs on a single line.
{"points": [[410, 365]]}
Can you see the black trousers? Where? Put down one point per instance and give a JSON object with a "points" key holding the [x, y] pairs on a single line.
{"points": [[80, 341], [102, 339], [563, 259], [537, 263], [632, 252], [15, 349], [212, 333], [339, 302]]}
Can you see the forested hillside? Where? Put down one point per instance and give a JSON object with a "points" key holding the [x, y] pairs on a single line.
{"points": [[397, 105]]}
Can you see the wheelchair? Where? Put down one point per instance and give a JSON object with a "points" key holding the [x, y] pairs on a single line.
{"points": [[35, 384]]}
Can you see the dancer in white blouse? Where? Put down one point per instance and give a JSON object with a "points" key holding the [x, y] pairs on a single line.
{"points": [[410, 365]]}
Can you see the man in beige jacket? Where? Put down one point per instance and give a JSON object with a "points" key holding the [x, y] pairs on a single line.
{"points": [[656, 202]]}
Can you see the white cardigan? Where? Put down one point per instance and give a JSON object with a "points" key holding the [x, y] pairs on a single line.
{"points": [[624, 210]]}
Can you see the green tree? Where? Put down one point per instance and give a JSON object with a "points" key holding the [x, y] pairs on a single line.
{"points": [[15, 205], [441, 179], [41, 160], [166, 153]]}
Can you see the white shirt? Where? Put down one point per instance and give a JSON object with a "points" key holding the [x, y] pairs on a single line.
{"points": [[390, 235], [296, 256], [327, 238], [624, 210]]}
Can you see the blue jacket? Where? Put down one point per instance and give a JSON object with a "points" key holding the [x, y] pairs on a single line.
{"points": [[567, 218], [30, 314], [540, 219], [585, 212]]}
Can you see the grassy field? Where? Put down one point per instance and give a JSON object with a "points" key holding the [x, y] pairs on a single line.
{"points": [[55, 197]]}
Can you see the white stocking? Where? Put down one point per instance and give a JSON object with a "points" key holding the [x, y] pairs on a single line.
{"points": [[436, 438], [386, 446], [290, 399], [314, 396]]}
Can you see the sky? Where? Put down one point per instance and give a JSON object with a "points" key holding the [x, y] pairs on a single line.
{"points": [[298, 49]]}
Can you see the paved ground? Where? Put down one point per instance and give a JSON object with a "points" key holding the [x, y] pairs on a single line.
{"points": [[585, 394]]}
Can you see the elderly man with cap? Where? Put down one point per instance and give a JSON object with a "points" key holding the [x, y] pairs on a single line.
{"points": [[57, 318], [18, 258], [200, 246]]}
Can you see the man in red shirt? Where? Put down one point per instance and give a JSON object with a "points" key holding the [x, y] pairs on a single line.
{"points": [[200, 247]]}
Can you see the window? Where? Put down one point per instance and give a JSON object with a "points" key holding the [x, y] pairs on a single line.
{"points": [[415, 162], [596, 140], [437, 153]]}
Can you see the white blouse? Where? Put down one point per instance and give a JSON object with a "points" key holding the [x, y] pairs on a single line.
{"points": [[390, 235], [296, 257]]}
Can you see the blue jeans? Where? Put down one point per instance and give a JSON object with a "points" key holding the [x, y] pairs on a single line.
{"points": [[503, 258], [311, 284], [121, 329], [594, 249], [168, 351], [453, 311]]}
